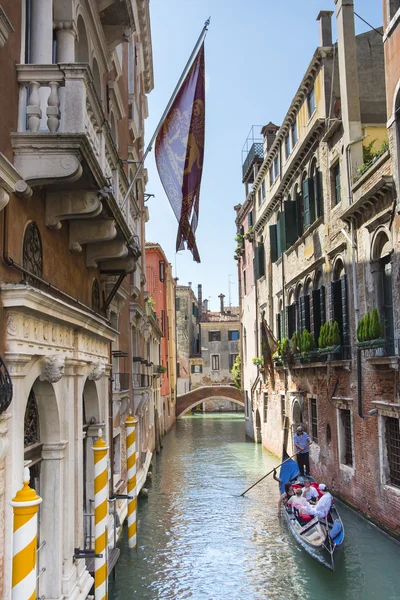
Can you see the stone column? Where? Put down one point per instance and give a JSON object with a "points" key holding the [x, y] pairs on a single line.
{"points": [[42, 32], [65, 42]]}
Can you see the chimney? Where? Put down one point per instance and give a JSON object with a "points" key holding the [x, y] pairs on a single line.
{"points": [[269, 132], [199, 299], [325, 28], [348, 77], [221, 299], [190, 284], [204, 308]]}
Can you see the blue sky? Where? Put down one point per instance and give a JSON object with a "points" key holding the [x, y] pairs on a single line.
{"points": [[256, 55]]}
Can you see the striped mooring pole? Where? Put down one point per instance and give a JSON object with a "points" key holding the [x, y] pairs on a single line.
{"points": [[100, 451], [130, 425], [25, 508]]}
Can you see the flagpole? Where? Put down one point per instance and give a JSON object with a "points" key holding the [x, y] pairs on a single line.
{"points": [[171, 100]]}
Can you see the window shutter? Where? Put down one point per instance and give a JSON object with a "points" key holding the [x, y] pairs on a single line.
{"points": [[290, 209], [287, 321], [309, 202], [250, 219], [345, 311], [306, 201], [302, 317], [256, 265], [261, 260], [332, 302], [319, 193], [322, 300], [306, 321], [278, 326], [282, 234], [315, 314], [291, 321], [242, 234], [273, 243]]}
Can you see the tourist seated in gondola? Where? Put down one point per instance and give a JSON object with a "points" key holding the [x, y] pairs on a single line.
{"points": [[323, 506], [309, 492], [298, 502], [287, 494]]}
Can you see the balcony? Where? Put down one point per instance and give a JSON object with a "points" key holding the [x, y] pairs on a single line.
{"points": [[141, 380], [254, 156], [121, 382], [73, 154]]}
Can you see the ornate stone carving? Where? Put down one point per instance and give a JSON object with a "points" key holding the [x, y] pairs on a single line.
{"points": [[4, 198], [11, 324], [99, 252], [52, 368], [98, 370], [71, 205], [86, 232]]}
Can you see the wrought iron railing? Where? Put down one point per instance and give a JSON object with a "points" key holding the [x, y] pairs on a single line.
{"points": [[6, 388], [256, 151]]}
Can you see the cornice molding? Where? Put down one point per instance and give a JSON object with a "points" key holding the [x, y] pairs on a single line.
{"points": [[5, 27]]}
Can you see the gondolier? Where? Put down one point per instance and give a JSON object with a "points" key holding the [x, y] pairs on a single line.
{"points": [[302, 443]]}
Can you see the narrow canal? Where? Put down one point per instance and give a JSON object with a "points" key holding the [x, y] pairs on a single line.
{"points": [[198, 539]]}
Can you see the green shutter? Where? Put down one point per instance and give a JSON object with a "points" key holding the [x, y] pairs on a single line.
{"points": [[309, 202], [273, 243], [256, 266], [319, 201], [281, 234], [290, 223], [261, 260]]}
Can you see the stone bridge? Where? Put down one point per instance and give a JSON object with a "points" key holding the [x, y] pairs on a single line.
{"points": [[191, 399]]}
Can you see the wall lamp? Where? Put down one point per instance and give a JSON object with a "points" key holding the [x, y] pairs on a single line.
{"points": [[373, 412]]}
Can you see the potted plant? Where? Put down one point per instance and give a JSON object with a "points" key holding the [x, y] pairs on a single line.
{"points": [[258, 361], [307, 347], [329, 338], [370, 331]]}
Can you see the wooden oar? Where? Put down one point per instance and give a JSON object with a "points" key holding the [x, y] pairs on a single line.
{"points": [[274, 469]]}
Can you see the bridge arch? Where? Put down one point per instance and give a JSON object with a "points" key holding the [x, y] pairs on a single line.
{"points": [[201, 394]]}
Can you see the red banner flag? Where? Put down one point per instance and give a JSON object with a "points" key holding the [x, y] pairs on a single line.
{"points": [[180, 151]]}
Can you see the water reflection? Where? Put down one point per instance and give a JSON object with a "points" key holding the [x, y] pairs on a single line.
{"points": [[199, 539]]}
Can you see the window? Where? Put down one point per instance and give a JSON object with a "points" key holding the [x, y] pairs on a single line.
{"points": [[339, 305], [178, 369], [293, 131], [271, 176], [162, 270], [265, 407], [215, 362], [233, 336], [346, 437], [32, 257], [95, 296], [177, 303], [196, 368], [313, 420], [259, 196], [287, 146], [214, 336], [250, 220], [311, 103], [163, 322], [276, 166], [392, 434], [336, 189], [263, 189], [244, 283], [232, 358], [393, 6]]}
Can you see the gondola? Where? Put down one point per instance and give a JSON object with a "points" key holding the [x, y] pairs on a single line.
{"points": [[320, 538]]}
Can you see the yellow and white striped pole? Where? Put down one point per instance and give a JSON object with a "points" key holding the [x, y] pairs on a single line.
{"points": [[100, 450], [130, 424], [26, 507]]}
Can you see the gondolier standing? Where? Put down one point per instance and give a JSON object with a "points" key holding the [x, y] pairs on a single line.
{"points": [[302, 443]]}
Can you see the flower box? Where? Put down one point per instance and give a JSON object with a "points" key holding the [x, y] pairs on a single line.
{"points": [[368, 344], [309, 357], [329, 350]]}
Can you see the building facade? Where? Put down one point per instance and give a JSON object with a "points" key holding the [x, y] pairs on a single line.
{"points": [[326, 222], [187, 335], [72, 239]]}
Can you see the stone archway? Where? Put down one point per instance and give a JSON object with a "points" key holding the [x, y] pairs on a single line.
{"points": [[187, 401]]}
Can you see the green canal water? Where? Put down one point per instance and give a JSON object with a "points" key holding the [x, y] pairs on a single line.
{"points": [[197, 539]]}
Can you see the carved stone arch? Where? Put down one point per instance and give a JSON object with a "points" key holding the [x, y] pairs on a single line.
{"points": [[308, 285], [381, 244], [290, 296], [298, 291], [338, 268], [312, 167]]}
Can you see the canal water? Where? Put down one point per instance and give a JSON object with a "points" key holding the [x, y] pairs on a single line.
{"points": [[198, 539]]}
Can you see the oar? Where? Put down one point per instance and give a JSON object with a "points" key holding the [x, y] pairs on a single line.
{"points": [[274, 469]]}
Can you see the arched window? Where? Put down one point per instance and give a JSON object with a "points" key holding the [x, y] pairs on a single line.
{"points": [[97, 79], [32, 256], [381, 270], [32, 443], [96, 296], [316, 178], [339, 304], [291, 311], [304, 308], [81, 43]]}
